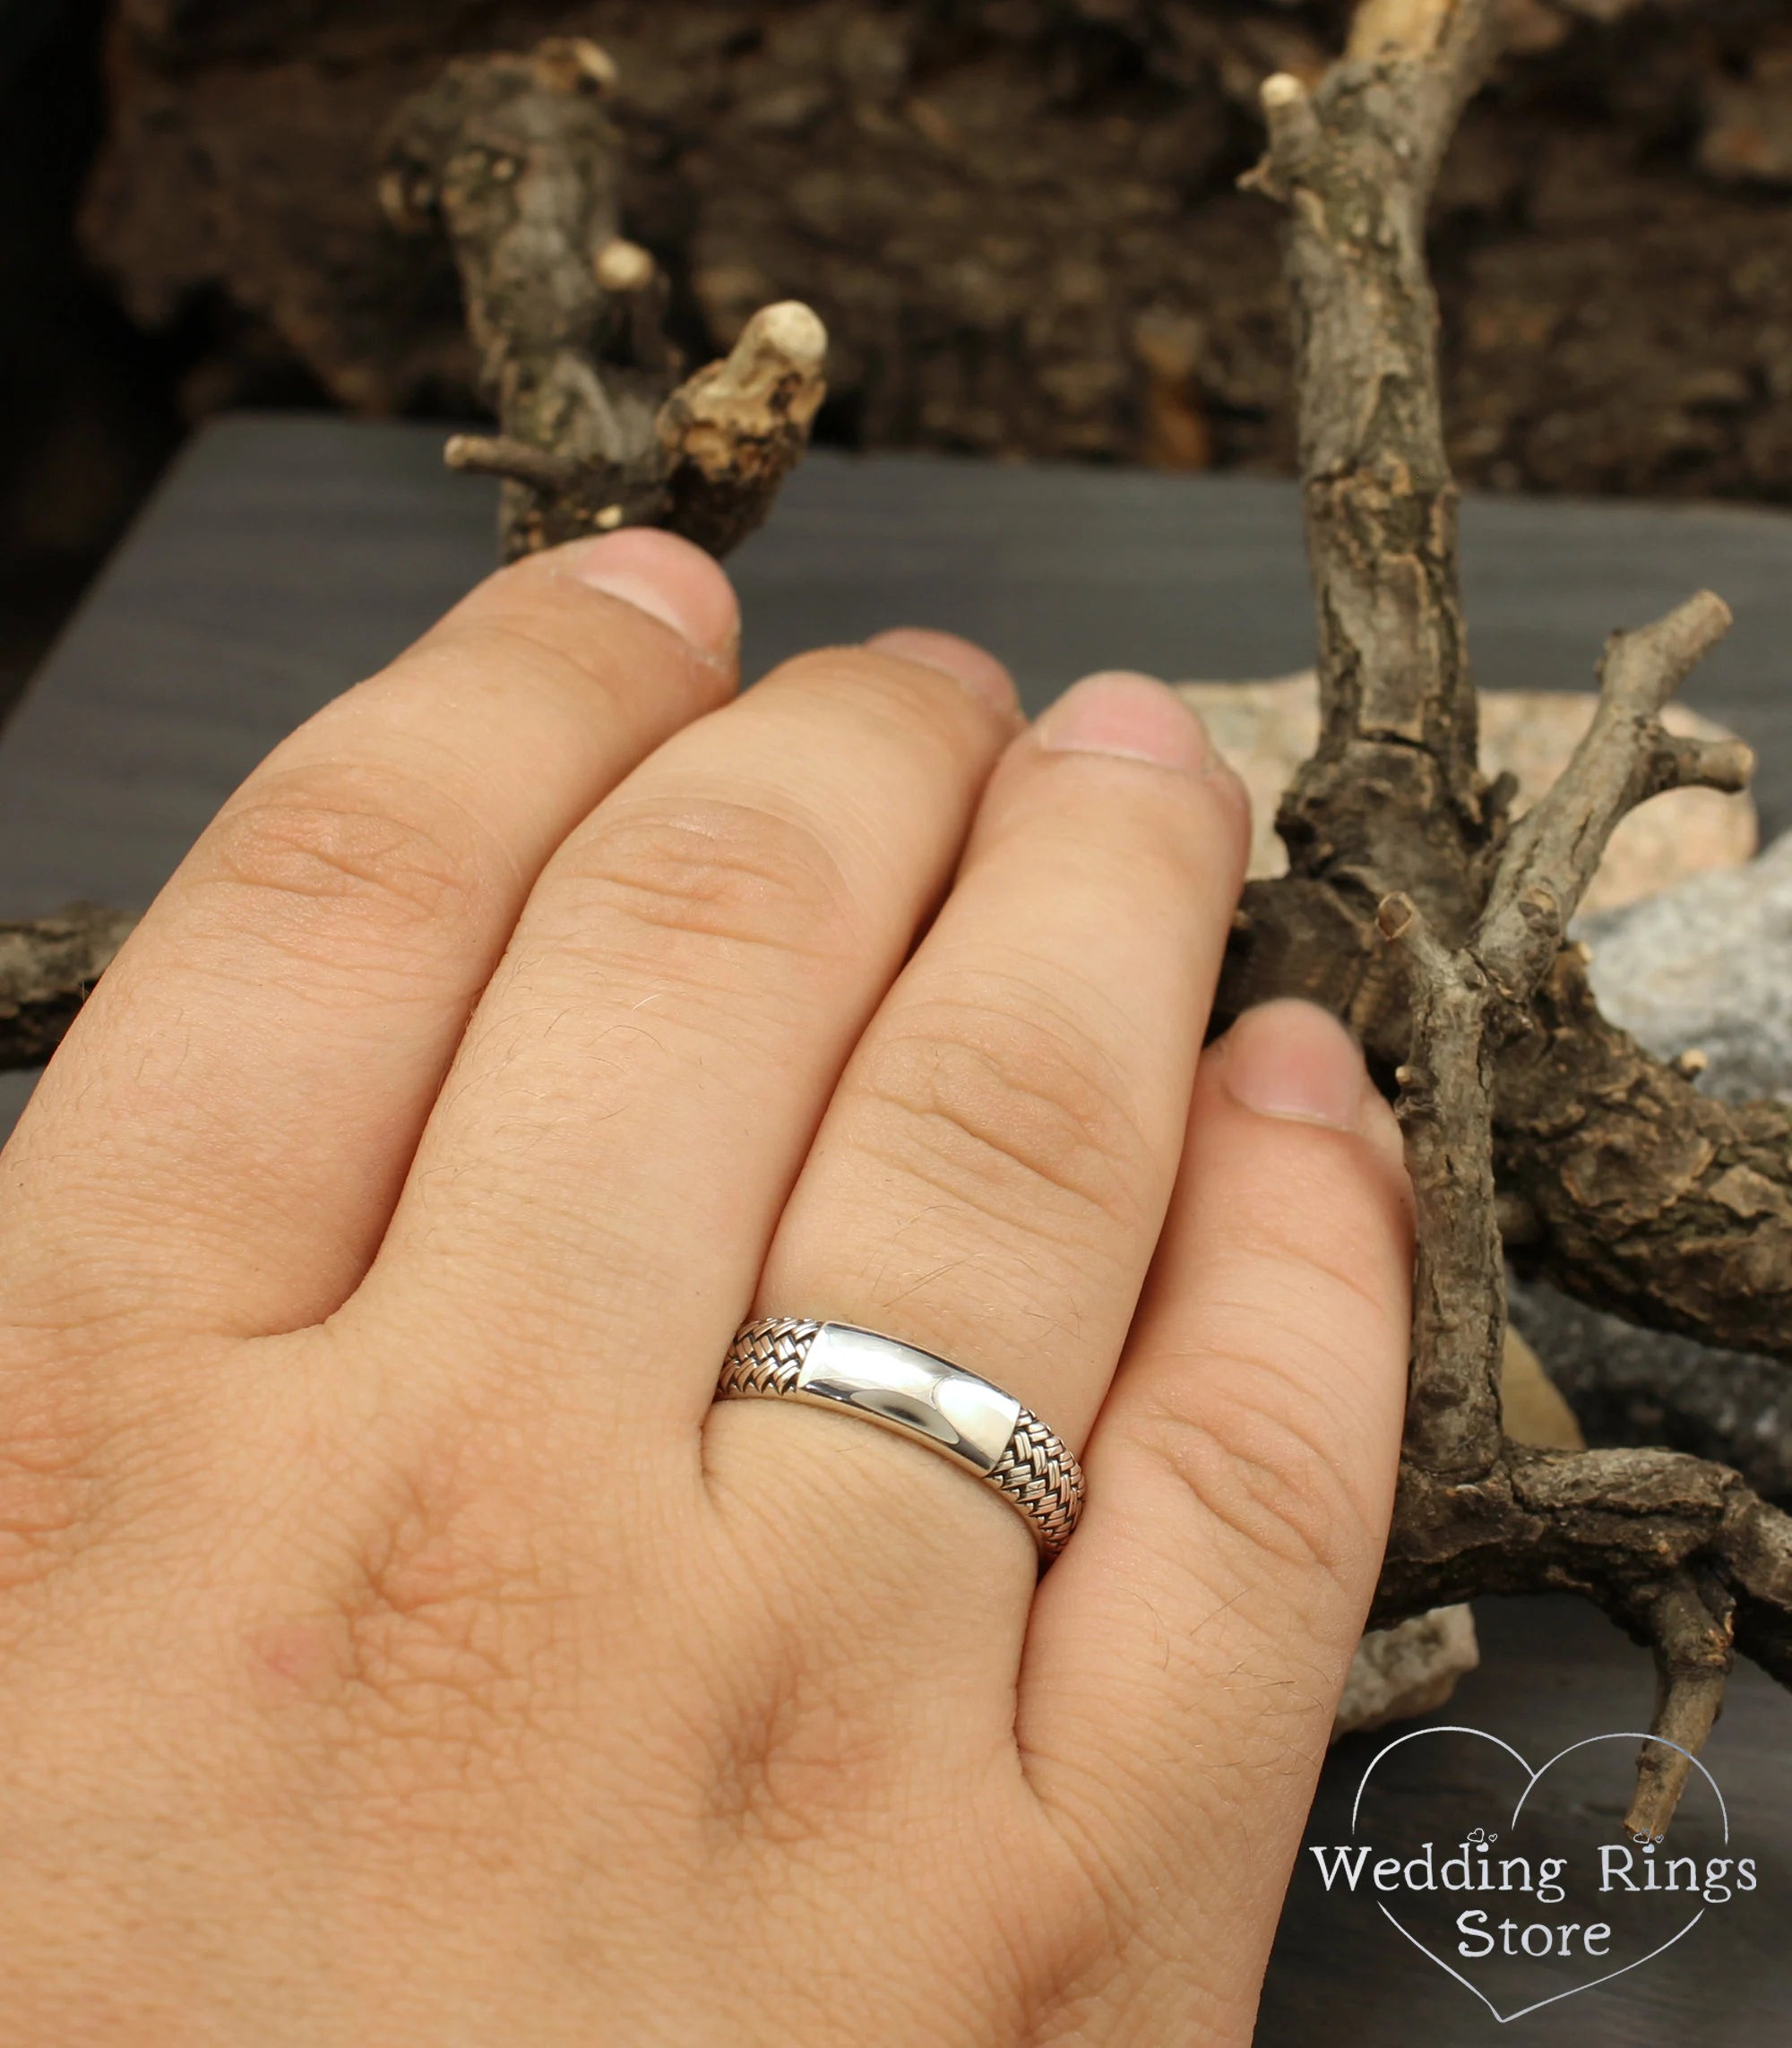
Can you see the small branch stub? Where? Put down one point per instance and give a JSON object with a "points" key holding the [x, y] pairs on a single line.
{"points": [[494, 455], [520, 160], [1295, 136], [569, 64], [1694, 1652], [733, 432], [623, 266]]}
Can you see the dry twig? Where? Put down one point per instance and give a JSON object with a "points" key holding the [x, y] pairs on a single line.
{"points": [[1478, 1005], [518, 158]]}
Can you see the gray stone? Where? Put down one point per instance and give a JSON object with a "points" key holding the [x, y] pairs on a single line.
{"points": [[1706, 966], [1406, 1670]]}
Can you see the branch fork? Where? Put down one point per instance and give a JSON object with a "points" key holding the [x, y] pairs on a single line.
{"points": [[519, 159], [1440, 928]]}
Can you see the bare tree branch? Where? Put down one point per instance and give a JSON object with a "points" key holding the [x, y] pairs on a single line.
{"points": [[1453, 1417], [1625, 757], [1679, 1553], [1644, 1196], [1692, 1658], [497, 455], [1638, 1194], [1418, 911], [1355, 164], [519, 159], [733, 433]]}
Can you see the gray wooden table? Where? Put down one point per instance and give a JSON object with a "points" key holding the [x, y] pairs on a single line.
{"points": [[287, 557]]}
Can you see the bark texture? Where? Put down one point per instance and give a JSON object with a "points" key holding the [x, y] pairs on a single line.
{"points": [[1016, 217], [1416, 907], [518, 160], [1622, 1183]]}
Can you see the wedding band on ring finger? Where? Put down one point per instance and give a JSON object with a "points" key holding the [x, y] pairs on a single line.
{"points": [[927, 1399], [992, 1174]]}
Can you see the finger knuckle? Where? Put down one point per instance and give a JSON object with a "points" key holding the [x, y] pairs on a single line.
{"points": [[1260, 1465], [713, 884], [493, 647], [1345, 1274], [345, 868], [884, 688], [1013, 1107]]}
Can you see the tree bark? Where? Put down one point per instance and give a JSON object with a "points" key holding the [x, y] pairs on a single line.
{"points": [[1416, 907], [518, 160]]}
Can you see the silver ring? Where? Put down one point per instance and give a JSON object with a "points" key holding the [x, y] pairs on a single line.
{"points": [[964, 1418]]}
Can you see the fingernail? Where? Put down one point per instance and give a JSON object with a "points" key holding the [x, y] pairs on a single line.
{"points": [[1121, 713], [1293, 1060], [965, 662], [668, 578]]}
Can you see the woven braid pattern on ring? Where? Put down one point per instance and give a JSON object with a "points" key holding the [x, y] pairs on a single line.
{"points": [[765, 1358], [1039, 1474]]}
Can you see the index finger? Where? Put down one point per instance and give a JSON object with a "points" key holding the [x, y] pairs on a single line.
{"points": [[220, 1138]]}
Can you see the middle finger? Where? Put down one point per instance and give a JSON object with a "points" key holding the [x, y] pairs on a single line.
{"points": [[601, 1175]]}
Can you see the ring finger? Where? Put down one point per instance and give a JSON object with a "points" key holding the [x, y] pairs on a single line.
{"points": [[993, 1173]]}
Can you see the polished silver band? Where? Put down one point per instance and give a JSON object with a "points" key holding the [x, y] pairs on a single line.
{"points": [[835, 1364]]}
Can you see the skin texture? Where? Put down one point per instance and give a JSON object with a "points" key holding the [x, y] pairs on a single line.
{"points": [[399, 1649]]}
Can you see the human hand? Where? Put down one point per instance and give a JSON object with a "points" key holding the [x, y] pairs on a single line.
{"points": [[396, 1646]]}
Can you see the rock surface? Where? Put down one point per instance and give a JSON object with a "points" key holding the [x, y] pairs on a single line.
{"points": [[1406, 1670], [1707, 967], [1267, 730]]}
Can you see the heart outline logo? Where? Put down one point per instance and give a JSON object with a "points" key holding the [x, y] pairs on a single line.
{"points": [[1533, 1776]]}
